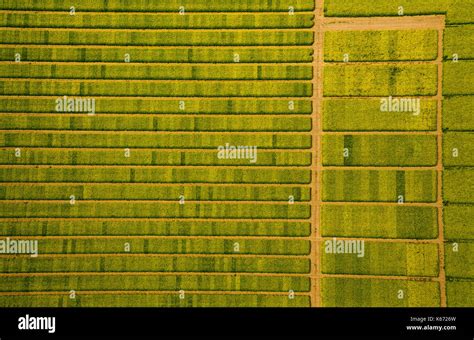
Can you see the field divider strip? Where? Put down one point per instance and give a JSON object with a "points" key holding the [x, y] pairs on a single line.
{"points": [[161, 80], [156, 115], [176, 81], [156, 149], [156, 63], [163, 47], [164, 184], [428, 97], [83, 12], [247, 185], [150, 292], [383, 62], [387, 204], [226, 237], [388, 133], [171, 98], [66, 166], [257, 274], [380, 277], [113, 30], [174, 219], [171, 255], [243, 202], [171, 273], [375, 167], [101, 132]]}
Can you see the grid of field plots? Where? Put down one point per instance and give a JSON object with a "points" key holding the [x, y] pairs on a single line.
{"points": [[291, 153]]}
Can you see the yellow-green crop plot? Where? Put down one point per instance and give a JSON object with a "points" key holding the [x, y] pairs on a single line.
{"points": [[196, 153]]}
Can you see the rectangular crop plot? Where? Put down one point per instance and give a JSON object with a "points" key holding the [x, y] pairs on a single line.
{"points": [[148, 88], [152, 123], [360, 8], [380, 80], [459, 293], [458, 185], [157, 72], [380, 45], [91, 191], [65, 36], [384, 258], [168, 6], [147, 282], [457, 113], [459, 40], [458, 78], [171, 246], [132, 263], [460, 260], [379, 221], [458, 221], [458, 149], [368, 115], [149, 157], [133, 105], [153, 210], [155, 300], [147, 54], [154, 21], [151, 227], [379, 186], [345, 292], [460, 12], [110, 139], [154, 175], [376, 150]]}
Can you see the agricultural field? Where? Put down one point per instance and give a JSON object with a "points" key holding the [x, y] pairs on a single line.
{"points": [[191, 153]]}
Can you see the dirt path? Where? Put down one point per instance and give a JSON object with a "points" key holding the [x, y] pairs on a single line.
{"points": [[318, 67], [439, 122]]}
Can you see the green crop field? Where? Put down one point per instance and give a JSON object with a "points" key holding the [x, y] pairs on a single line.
{"points": [[147, 54], [457, 113], [379, 150], [398, 259], [380, 45], [379, 186], [380, 80], [365, 115], [458, 220], [191, 153], [133, 105], [379, 221], [344, 292], [458, 78], [458, 40], [164, 283]]}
